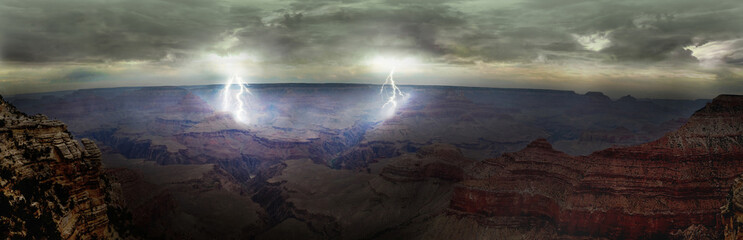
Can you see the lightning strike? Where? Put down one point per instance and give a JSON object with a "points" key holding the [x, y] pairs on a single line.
{"points": [[393, 93], [234, 101], [226, 96], [235, 104], [390, 92]]}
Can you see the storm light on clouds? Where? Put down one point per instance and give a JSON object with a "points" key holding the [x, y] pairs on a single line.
{"points": [[674, 49]]}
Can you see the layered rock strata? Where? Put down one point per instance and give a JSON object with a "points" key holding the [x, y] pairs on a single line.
{"points": [[50, 184], [645, 191]]}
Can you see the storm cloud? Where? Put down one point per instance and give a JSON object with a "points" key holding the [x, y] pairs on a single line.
{"points": [[468, 33]]}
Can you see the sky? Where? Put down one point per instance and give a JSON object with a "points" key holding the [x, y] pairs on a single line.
{"points": [[647, 48]]}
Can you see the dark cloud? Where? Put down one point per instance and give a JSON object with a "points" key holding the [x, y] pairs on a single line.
{"points": [[73, 30], [636, 30], [343, 31], [634, 44], [324, 32]]}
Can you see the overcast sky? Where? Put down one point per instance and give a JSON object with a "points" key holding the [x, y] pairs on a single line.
{"points": [[647, 48]]}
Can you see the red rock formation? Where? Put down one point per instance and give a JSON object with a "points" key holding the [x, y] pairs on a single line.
{"points": [[637, 192]]}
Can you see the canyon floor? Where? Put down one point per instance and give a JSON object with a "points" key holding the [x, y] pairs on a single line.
{"points": [[322, 161]]}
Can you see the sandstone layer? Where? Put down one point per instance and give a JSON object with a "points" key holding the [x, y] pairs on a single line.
{"points": [[646, 191]]}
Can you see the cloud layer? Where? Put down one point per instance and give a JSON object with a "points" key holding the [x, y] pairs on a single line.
{"points": [[479, 36]]}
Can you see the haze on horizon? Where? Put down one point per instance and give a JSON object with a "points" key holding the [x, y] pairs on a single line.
{"points": [[656, 48]]}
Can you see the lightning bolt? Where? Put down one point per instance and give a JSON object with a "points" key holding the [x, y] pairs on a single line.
{"points": [[393, 94], [225, 95], [235, 103]]}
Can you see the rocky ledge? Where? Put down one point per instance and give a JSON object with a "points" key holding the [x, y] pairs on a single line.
{"points": [[50, 184]]}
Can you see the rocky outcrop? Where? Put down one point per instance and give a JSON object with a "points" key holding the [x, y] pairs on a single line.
{"points": [[732, 212], [654, 190], [50, 184]]}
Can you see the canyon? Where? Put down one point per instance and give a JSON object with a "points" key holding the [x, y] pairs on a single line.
{"points": [[320, 161]]}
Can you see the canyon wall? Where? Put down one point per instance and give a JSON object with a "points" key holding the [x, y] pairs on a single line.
{"points": [[651, 190], [50, 184]]}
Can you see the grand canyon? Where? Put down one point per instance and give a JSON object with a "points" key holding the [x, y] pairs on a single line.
{"points": [[371, 119], [451, 163]]}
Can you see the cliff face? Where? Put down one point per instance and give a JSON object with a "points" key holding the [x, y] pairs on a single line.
{"points": [[732, 212], [50, 184], [673, 186]]}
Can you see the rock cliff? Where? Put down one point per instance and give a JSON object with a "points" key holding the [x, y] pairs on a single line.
{"points": [[670, 187], [732, 212], [50, 184]]}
